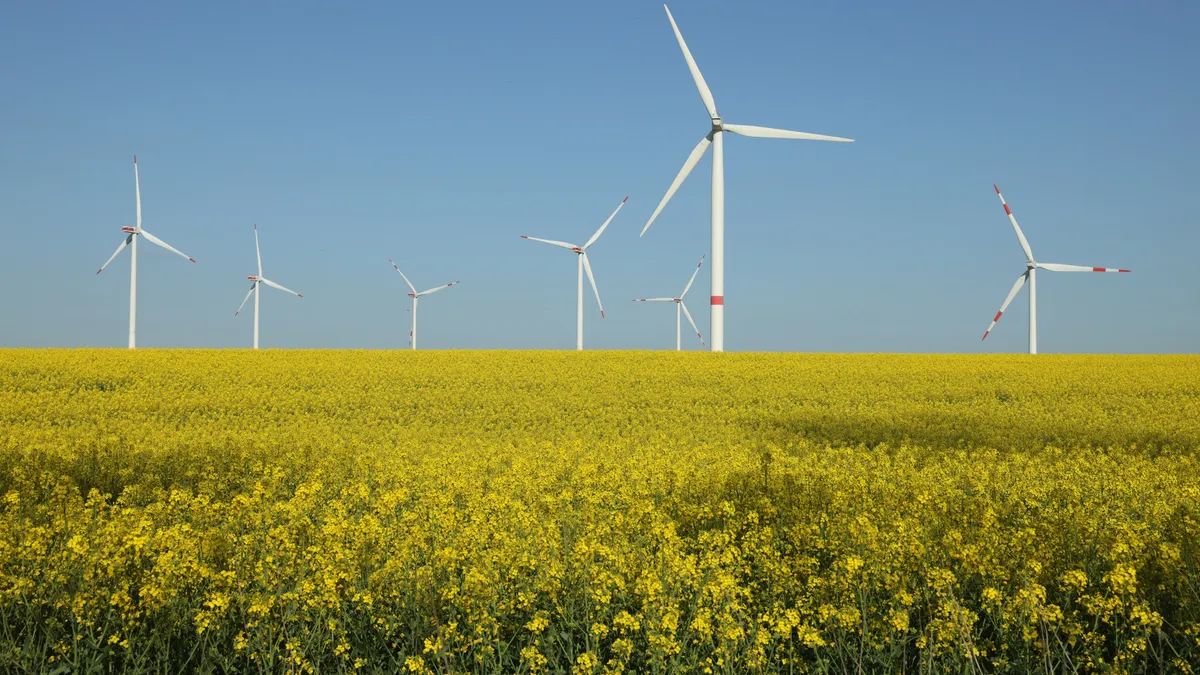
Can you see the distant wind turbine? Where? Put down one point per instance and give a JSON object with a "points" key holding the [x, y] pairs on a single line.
{"points": [[714, 137], [412, 334], [584, 266], [680, 306], [1030, 275], [133, 234], [256, 281]]}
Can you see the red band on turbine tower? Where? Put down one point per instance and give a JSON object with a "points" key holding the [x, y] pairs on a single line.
{"points": [[718, 300]]}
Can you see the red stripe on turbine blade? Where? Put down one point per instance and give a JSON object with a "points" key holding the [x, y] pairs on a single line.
{"points": [[997, 317], [1099, 269], [192, 259], [625, 200], [1007, 210], [717, 300], [1122, 270], [985, 334], [524, 237], [996, 188], [601, 314]]}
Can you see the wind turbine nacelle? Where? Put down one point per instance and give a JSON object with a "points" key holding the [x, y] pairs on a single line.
{"points": [[252, 278], [129, 229]]}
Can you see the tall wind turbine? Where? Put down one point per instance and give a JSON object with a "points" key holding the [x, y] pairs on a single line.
{"points": [[256, 281], [680, 306], [714, 138], [412, 335], [584, 266], [1030, 275], [132, 235]]}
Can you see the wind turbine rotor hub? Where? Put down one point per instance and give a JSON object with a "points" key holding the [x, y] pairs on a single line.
{"points": [[717, 125]]}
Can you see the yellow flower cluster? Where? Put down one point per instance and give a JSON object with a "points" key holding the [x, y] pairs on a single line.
{"points": [[600, 512]]}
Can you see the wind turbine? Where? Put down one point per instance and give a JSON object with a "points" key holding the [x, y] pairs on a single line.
{"points": [[412, 335], [1030, 275], [584, 265], [133, 234], [680, 306], [256, 281], [714, 138]]}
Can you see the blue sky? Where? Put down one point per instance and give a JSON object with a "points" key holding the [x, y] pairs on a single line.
{"points": [[436, 133]]}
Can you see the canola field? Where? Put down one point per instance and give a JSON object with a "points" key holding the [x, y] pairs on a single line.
{"points": [[599, 512]]}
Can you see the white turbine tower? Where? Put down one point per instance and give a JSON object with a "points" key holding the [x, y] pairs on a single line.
{"points": [[714, 137], [412, 335], [255, 282], [133, 234], [680, 306], [584, 266], [1030, 275]]}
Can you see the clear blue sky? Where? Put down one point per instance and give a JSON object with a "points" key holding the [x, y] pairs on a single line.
{"points": [[436, 133]]}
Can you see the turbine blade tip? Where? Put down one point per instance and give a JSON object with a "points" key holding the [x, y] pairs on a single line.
{"points": [[192, 259], [625, 200], [99, 271], [601, 314], [984, 336], [299, 295], [524, 237], [135, 159], [1124, 270]]}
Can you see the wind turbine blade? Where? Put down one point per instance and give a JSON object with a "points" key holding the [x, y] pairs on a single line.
{"points": [[689, 318], [117, 253], [654, 299], [599, 231], [435, 289], [272, 284], [560, 244], [692, 160], [705, 95], [137, 190], [1055, 267], [1017, 228], [692, 280], [257, 252], [587, 267], [768, 132], [410, 286], [1011, 294], [155, 240], [247, 298]]}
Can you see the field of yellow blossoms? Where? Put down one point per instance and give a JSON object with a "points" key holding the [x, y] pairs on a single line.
{"points": [[599, 512]]}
